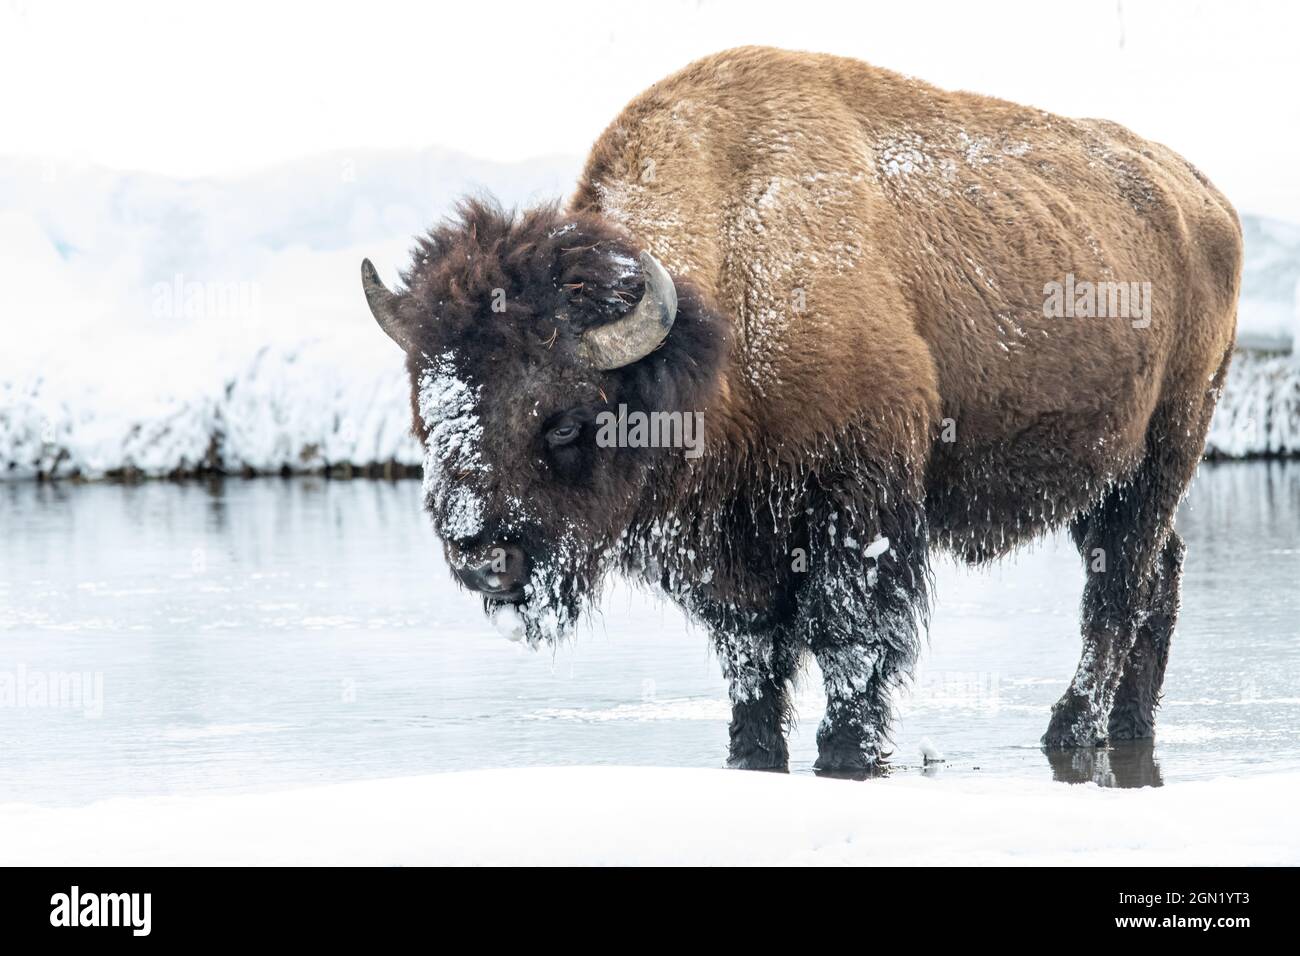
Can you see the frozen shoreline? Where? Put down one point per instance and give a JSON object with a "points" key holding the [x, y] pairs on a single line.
{"points": [[344, 406], [645, 815]]}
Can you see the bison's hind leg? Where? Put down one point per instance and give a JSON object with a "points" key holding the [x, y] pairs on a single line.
{"points": [[1132, 713], [1133, 561], [1127, 613]]}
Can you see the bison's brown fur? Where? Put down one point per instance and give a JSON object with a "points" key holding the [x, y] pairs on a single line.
{"points": [[875, 253]]}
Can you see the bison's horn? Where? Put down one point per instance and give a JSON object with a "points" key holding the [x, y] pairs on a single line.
{"points": [[383, 305], [638, 333]]}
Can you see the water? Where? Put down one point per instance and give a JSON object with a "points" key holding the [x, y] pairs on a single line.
{"points": [[258, 635]]}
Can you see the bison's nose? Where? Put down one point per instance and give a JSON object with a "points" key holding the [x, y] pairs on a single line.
{"points": [[498, 571]]}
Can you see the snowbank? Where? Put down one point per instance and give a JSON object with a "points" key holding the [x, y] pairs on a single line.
{"points": [[313, 406], [1259, 411], [157, 326], [624, 815]]}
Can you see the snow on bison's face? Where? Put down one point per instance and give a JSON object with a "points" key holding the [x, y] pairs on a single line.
{"points": [[526, 338]]}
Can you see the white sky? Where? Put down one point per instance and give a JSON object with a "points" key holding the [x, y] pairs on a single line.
{"points": [[216, 88]]}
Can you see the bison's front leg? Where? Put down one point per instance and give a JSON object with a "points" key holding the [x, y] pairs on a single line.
{"points": [[861, 608], [758, 664]]}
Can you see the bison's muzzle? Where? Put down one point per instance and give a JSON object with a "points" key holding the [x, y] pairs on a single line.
{"points": [[498, 572]]}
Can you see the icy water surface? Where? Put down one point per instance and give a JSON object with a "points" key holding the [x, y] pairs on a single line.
{"points": [[274, 633]]}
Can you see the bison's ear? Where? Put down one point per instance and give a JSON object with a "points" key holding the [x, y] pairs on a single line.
{"points": [[640, 332], [383, 306]]}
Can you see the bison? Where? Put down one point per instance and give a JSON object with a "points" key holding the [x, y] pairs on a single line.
{"points": [[908, 319]]}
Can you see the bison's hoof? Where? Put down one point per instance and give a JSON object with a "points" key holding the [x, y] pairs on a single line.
{"points": [[1073, 725], [1128, 723], [867, 771], [1070, 740], [759, 760], [850, 764]]}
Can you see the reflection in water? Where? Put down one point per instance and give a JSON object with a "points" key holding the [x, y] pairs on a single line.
{"points": [[1129, 763], [275, 633]]}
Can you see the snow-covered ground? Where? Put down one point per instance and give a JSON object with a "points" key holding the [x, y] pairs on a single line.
{"points": [[644, 815], [160, 325]]}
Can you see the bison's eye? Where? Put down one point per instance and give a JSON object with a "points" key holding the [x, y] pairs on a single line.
{"points": [[563, 434]]}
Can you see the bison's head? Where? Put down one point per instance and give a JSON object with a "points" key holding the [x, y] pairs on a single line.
{"points": [[520, 331]]}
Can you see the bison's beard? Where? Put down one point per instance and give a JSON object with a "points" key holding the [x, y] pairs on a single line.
{"points": [[561, 584]]}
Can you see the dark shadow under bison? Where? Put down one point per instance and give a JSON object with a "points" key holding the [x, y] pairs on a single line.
{"points": [[907, 319]]}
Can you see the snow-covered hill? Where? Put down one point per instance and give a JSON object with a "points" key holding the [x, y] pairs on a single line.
{"points": [[158, 326]]}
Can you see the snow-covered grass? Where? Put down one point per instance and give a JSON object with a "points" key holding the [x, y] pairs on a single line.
{"points": [[630, 815]]}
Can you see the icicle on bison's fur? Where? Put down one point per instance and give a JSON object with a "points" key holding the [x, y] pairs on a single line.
{"points": [[849, 275]]}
